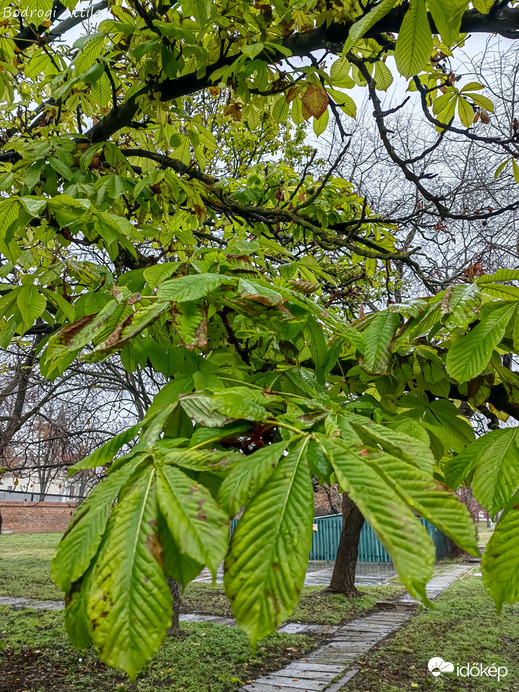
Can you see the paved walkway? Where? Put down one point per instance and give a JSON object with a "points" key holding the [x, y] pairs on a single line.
{"points": [[319, 573]]}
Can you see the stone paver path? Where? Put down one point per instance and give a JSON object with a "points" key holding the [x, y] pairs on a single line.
{"points": [[330, 667]]}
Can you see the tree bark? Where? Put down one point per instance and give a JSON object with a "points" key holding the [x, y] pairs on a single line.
{"points": [[174, 587], [343, 578]]}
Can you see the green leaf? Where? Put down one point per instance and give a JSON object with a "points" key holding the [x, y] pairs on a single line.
{"points": [[317, 343], [431, 499], [159, 272], [129, 604], [403, 536], [345, 102], [414, 44], [340, 73], [182, 568], [499, 275], [382, 76], [210, 436], [66, 308], [60, 168], [458, 468], [377, 340], [364, 24], [192, 287], [9, 210], [253, 50], [266, 565], [460, 305], [447, 18], [81, 540], [469, 355], [104, 454], [89, 52], [320, 124], [76, 619], [31, 304], [481, 101], [465, 112], [497, 471], [199, 527], [500, 562], [280, 110], [239, 402], [203, 409], [394, 441], [249, 476], [501, 291]]}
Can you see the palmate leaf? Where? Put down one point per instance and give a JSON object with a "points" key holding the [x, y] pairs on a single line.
{"points": [[468, 356], [81, 540], [403, 536], [414, 44], [500, 562], [377, 339], [266, 565], [199, 527], [129, 603]]}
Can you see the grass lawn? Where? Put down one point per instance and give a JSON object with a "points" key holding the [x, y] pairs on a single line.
{"points": [[24, 565], [24, 572], [35, 656], [464, 627], [484, 533]]}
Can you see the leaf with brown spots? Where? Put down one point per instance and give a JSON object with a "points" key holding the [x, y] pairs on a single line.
{"points": [[129, 604], [202, 536]]}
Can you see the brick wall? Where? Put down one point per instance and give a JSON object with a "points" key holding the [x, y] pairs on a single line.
{"points": [[36, 517]]}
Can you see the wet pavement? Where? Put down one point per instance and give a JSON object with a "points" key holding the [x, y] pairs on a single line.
{"points": [[319, 573]]}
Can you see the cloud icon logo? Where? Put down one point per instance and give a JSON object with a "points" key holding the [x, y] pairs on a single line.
{"points": [[437, 666]]}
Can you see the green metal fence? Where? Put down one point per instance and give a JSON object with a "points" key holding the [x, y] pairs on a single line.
{"points": [[325, 540]]}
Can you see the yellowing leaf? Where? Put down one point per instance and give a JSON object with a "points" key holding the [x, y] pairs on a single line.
{"points": [[315, 100]]}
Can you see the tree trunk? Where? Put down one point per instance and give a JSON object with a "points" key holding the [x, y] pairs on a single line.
{"points": [[174, 587], [343, 578]]}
